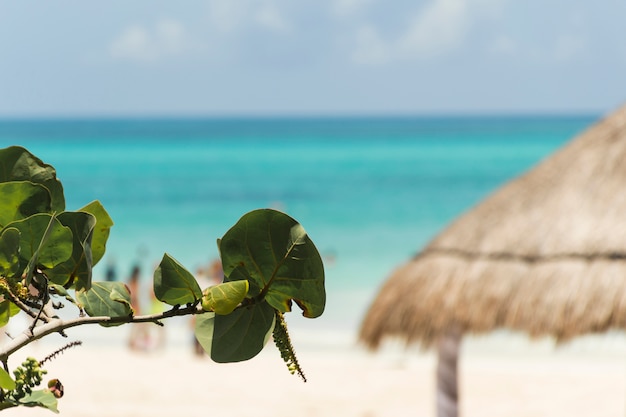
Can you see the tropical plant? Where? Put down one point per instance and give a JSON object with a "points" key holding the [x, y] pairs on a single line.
{"points": [[47, 255]]}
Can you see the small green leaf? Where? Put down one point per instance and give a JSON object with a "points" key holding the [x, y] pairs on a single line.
{"points": [[275, 254], [223, 298], [110, 299], [17, 164], [121, 294], [79, 265], [238, 336], [100, 231], [6, 382], [7, 310], [21, 199], [59, 290], [173, 284], [56, 249], [8, 404], [9, 252], [41, 398]]}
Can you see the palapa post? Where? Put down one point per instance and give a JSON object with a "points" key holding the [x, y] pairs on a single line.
{"points": [[447, 374]]}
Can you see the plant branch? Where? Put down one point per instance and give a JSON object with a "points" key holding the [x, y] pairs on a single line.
{"points": [[59, 325], [18, 302]]}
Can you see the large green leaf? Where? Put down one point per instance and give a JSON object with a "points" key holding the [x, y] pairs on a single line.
{"points": [[111, 299], [238, 336], [6, 382], [9, 252], [225, 297], [17, 164], [7, 310], [57, 247], [279, 259], [41, 398], [21, 199], [173, 284], [78, 266], [100, 231]]}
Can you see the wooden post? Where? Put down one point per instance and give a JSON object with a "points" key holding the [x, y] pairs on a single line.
{"points": [[447, 377]]}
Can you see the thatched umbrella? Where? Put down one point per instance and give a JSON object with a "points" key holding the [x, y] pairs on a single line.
{"points": [[545, 254]]}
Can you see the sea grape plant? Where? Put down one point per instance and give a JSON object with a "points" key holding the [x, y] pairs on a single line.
{"points": [[47, 255]]}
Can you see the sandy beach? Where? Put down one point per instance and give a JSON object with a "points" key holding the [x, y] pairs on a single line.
{"points": [[496, 379]]}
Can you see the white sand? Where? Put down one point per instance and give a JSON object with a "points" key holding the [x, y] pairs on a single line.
{"points": [[345, 382]]}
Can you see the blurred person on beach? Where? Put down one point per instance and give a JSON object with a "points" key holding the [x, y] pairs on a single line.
{"points": [[156, 307], [139, 336], [216, 272], [111, 272], [157, 334]]}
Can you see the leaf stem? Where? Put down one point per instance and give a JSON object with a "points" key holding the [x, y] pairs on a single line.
{"points": [[266, 288], [32, 264]]}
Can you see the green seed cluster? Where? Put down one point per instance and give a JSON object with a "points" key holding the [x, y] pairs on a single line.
{"points": [[27, 376], [283, 343]]}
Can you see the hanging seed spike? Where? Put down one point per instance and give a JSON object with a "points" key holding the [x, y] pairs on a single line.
{"points": [[59, 351], [283, 343]]}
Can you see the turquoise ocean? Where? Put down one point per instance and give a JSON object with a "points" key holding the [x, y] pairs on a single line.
{"points": [[369, 191]]}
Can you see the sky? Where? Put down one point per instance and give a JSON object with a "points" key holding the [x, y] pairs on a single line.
{"points": [[80, 58]]}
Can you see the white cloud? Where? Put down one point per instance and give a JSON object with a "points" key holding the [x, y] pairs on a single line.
{"points": [[138, 43], [568, 47], [227, 16], [133, 43], [370, 48], [503, 45], [437, 29], [271, 18], [171, 35], [348, 7], [560, 48]]}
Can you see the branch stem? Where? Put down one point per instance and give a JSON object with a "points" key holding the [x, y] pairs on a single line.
{"points": [[58, 325], [18, 302]]}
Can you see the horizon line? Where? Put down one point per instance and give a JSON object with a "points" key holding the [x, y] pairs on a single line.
{"points": [[304, 116]]}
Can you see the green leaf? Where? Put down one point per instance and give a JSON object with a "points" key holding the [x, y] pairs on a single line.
{"points": [[9, 252], [41, 398], [278, 258], [60, 291], [7, 310], [100, 231], [121, 294], [78, 266], [22, 199], [173, 284], [111, 299], [8, 404], [238, 336], [58, 245], [6, 382], [17, 164], [223, 298]]}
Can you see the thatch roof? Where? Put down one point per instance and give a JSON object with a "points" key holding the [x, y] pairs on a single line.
{"points": [[545, 254]]}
